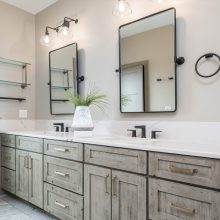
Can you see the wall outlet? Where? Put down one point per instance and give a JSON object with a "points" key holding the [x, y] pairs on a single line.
{"points": [[23, 114]]}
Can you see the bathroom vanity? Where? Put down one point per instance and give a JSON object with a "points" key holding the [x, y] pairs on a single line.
{"points": [[104, 178]]}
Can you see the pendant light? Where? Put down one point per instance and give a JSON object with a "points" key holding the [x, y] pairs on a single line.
{"points": [[122, 9]]}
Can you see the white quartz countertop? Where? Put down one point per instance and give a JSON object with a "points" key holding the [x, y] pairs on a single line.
{"points": [[160, 145]]}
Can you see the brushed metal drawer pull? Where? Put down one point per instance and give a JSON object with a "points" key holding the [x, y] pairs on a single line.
{"points": [[61, 150], [106, 184], [61, 205], [30, 162], [183, 209], [26, 162], [186, 171], [61, 174], [114, 186]]}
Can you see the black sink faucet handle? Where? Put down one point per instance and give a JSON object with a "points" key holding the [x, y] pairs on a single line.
{"points": [[143, 130], [57, 128], [61, 126], [154, 134], [134, 132]]}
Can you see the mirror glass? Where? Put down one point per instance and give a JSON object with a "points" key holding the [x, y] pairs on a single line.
{"points": [[63, 75], [147, 64]]}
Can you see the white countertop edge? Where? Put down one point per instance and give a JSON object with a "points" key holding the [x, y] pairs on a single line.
{"points": [[171, 146]]}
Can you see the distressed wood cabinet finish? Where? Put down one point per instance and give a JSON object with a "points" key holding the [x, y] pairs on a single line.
{"points": [[29, 177], [176, 201], [8, 180], [97, 193], [63, 173], [8, 157], [35, 183], [22, 174], [129, 196], [8, 140], [29, 144], [117, 192], [186, 169], [63, 204], [66, 150], [123, 159]]}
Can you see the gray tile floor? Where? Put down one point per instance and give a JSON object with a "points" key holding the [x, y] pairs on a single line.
{"points": [[12, 208]]}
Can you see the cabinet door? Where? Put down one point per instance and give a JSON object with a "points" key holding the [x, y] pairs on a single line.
{"points": [[128, 196], [36, 179], [22, 174], [97, 198]]}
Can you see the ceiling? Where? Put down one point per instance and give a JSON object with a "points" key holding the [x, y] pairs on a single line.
{"points": [[31, 6]]}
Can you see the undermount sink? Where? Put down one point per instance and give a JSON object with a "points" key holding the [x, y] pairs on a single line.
{"points": [[128, 140]]}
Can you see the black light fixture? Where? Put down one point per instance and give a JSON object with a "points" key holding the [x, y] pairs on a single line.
{"points": [[64, 28]]}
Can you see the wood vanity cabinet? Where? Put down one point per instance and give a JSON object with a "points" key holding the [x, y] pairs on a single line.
{"points": [[8, 163], [63, 176], [111, 194], [29, 170], [29, 177], [92, 182], [196, 196]]}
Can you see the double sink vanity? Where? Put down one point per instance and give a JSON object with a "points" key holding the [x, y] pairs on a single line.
{"points": [[112, 178]]}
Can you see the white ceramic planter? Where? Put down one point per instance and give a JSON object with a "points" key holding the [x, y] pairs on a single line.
{"points": [[82, 120]]}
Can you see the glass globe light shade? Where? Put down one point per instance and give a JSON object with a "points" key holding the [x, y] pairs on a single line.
{"points": [[45, 40], [122, 9]]}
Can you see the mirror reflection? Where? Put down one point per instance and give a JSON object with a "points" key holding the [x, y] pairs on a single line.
{"points": [[147, 64], [63, 74]]}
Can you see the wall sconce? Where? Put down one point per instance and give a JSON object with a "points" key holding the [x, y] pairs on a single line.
{"points": [[63, 28], [122, 9]]}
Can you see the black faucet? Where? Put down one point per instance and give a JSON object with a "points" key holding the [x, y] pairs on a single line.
{"points": [[143, 130], [134, 132], [154, 134], [57, 125]]}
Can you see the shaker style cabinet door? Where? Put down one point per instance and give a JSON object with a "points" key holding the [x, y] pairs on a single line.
{"points": [[35, 166], [97, 197], [22, 174], [129, 196]]}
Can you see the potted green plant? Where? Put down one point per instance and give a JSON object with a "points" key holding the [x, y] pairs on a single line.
{"points": [[82, 120]]}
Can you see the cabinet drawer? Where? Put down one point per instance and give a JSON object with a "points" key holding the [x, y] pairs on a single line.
{"points": [[8, 180], [195, 170], [29, 144], [176, 201], [64, 173], [66, 150], [62, 204], [8, 157], [123, 159], [8, 140]]}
